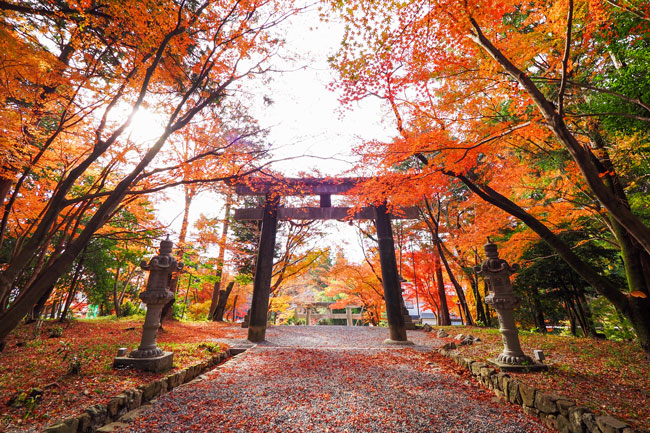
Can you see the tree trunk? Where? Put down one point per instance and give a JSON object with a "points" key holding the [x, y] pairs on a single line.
{"points": [[125, 286], [5, 186], [486, 307], [459, 289], [234, 308], [38, 308], [116, 300], [572, 319], [223, 300], [631, 252], [222, 251], [639, 317], [168, 310], [73, 285], [445, 320], [434, 227], [480, 312], [540, 322], [585, 310]]}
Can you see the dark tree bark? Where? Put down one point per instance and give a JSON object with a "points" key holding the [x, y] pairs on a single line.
{"points": [[216, 290], [73, 285], [434, 228], [540, 322], [223, 300], [445, 320], [234, 308], [38, 308], [480, 312]]}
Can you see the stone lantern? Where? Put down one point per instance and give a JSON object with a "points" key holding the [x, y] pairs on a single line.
{"points": [[148, 356], [497, 273]]}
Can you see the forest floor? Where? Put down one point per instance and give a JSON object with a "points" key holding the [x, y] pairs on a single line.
{"points": [[606, 376], [332, 379], [34, 360]]}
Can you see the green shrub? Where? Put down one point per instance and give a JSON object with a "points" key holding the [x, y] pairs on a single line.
{"points": [[128, 309], [210, 346]]}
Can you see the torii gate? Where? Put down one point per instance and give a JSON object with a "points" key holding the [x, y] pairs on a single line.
{"points": [[272, 211]]}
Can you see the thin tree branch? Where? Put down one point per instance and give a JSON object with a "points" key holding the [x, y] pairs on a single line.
{"points": [[565, 59]]}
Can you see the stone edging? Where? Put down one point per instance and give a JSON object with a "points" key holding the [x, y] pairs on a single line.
{"points": [[554, 411], [98, 415]]}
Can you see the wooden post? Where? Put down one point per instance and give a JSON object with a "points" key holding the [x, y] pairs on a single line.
{"points": [[348, 315], [263, 271], [390, 277], [308, 318], [325, 200]]}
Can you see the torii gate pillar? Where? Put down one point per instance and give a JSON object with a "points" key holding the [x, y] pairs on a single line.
{"points": [[390, 277], [263, 271]]}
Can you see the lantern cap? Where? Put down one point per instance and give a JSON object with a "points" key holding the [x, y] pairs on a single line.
{"points": [[166, 246], [491, 249]]}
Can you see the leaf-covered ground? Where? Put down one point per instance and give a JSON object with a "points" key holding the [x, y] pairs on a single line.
{"points": [[332, 379], [607, 376], [32, 359]]}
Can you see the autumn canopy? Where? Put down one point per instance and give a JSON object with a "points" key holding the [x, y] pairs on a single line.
{"points": [[524, 121]]}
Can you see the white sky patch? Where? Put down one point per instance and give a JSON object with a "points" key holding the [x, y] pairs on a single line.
{"points": [[305, 120], [146, 126]]}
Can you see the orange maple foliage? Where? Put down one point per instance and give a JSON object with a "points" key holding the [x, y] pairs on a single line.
{"points": [[357, 284], [493, 97], [87, 70]]}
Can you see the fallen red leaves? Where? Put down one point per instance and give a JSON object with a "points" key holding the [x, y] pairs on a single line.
{"points": [[294, 389], [32, 360], [607, 376]]}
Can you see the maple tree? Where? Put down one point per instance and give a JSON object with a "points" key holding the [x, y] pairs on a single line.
{"points": [[528, 106], [203, 148], [425, 275], [77, 74], [297, 251], [356, 284], [225, 225]]}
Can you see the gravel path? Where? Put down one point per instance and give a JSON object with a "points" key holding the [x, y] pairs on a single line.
{"points": [[331, 379]]}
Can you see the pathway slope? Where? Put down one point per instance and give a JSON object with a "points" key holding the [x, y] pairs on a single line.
{"points": [[331, 379]]}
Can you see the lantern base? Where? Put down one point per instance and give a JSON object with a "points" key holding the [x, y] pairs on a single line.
{"points": [[398, 343], [157, 364], [521, 368]]}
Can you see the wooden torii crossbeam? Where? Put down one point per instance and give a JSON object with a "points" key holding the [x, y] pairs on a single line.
{"points": [[325, 188]]}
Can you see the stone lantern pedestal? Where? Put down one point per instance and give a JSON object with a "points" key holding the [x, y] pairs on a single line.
{"points": [[148, 356], [501, 297]]}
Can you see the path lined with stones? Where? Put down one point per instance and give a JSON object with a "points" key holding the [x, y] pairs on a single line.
{"points": [[331, 379]]}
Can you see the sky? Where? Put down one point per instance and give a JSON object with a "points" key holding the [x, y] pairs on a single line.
{"points": [[305, 120]]}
